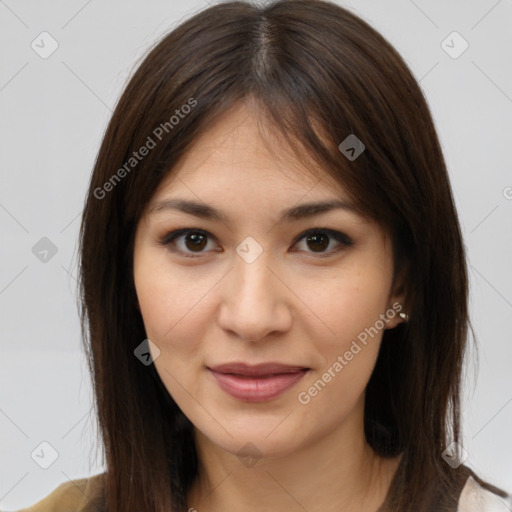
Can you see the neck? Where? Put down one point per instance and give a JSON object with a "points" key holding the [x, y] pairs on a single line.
{"points": [[339, 472]]}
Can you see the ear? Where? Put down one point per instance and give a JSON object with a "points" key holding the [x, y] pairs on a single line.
{"points": [[396, 302]]}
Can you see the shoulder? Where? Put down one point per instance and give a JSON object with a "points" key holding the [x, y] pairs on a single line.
{"points": [[475, 498], [79, 495]]}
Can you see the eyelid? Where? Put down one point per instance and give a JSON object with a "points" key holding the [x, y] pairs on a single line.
{"points": [[167, 240], [172, 235], [333, 233], [340, 237]]}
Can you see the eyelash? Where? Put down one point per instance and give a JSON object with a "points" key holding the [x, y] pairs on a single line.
{"points": [[341, 238]]}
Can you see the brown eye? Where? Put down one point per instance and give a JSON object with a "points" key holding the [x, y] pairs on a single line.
{"points": [[187, 242], [319, 241], [195, 241]]}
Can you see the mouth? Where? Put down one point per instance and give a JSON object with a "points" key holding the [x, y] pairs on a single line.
{"points": [[256, 383]]}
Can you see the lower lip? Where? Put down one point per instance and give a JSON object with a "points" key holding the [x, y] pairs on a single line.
{"points": [[257, 389]]}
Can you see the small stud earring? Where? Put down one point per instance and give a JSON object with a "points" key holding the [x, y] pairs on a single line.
{"points": [[404, 316]]}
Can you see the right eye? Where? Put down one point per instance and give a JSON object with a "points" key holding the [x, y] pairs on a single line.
{"points": [[187, 241]]}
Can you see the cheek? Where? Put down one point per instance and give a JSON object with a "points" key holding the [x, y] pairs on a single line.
{"points": [[176, 308], [169, 307], [158, 305], [348, 349], [165, 298], [348, 303]]}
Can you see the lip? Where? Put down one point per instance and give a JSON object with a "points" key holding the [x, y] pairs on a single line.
{"points": [[262, 369], [256, 383]]}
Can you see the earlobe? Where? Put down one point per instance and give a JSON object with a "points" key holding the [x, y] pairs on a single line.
{"points": [[399, 310], [396, 314]]}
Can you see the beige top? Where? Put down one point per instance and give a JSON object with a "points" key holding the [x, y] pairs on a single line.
{"points": [[81, 495], [84, 495]]}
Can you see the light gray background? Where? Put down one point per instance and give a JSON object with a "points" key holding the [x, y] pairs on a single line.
{"points": [[53, 113]]}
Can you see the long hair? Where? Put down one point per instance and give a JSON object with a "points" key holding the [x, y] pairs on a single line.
{"points": [[317, 74]]}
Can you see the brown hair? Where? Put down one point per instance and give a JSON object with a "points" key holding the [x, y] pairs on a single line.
{"points": [[309, 66]]}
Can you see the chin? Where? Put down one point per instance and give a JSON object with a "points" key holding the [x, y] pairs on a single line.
{"points": [[253, 442]]}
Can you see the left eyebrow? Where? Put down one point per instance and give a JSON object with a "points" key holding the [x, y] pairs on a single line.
{"points": [[310, 209], [294, 213]]}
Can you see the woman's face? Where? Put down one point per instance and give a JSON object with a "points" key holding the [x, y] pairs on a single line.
{"points": [[248, 284]]}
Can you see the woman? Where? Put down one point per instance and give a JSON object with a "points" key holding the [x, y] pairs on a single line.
{"points": [[273, 278]]}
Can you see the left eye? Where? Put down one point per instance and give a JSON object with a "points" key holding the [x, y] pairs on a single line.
{"points": [[189, 241], [320, 239]]}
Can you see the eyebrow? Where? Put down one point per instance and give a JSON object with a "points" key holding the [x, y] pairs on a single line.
{"points": [[290, 214]]}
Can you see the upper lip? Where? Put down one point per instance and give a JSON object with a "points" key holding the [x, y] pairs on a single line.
{"points": [[271, 368]]}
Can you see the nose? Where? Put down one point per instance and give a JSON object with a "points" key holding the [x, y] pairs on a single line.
{"points": [[254, 301]]}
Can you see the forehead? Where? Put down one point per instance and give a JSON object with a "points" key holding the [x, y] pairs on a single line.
{"points": [[240, 151]]}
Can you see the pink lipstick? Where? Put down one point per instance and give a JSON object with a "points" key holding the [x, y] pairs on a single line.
{"points": [[256, 383]]}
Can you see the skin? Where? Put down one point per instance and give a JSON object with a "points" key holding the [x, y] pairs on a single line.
{"points": [[290, 305]]}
